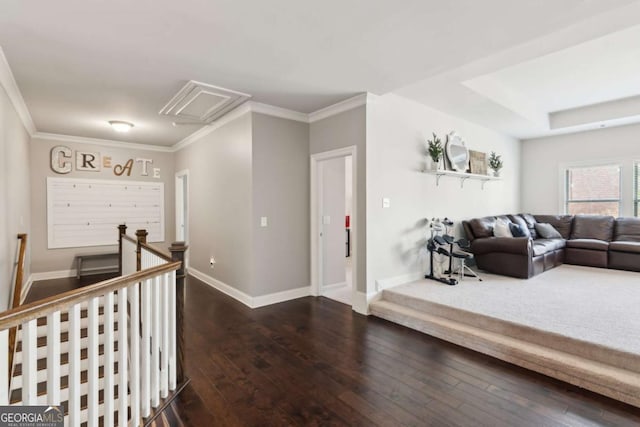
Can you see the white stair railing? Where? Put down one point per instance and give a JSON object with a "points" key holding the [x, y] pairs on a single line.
{"points": [[136, 351]]}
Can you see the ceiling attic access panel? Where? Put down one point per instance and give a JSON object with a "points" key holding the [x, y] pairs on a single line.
{"points": [[202, 103]]}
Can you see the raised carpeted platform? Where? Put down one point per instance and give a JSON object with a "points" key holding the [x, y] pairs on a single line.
{"points": [[578, 324]]}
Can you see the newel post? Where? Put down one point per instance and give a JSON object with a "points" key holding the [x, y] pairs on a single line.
{"points": [[177, 250], [142, 238], [122, 230]]}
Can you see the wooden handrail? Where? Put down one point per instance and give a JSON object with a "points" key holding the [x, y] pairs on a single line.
{"points": [[41, 308], [156, 252], [17, 297], [17, 290], [129, 238]]}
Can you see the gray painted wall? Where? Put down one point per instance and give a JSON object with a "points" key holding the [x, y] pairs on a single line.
{"points": [[220, 202], [397, 129], [543, 158], [333, 234], [344, 130], [281, 193], [15, 203], [47, 260]]}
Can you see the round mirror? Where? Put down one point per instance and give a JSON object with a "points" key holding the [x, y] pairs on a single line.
{"points": [[457, 153]]}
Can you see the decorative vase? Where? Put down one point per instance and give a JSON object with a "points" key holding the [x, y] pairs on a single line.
{"points": [[496, 173], [435, 165]]}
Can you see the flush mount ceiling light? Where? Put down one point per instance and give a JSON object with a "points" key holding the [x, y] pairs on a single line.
{"points": [[120, 126]]}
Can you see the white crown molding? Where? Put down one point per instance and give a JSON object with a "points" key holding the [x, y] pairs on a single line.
{"points": [[340, 107], [8, 82], [101, 142], [282, 113], [200, 133]]}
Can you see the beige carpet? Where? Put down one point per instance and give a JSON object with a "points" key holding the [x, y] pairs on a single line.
{"points": [[589, 304]]}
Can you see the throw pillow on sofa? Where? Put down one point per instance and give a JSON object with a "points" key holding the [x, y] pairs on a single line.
{"points": [[547, 231], [518, 230], [501, 229]]}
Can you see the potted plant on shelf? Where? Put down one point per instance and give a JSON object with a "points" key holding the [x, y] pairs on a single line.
{"points": [[436, 150], [495, 163]]}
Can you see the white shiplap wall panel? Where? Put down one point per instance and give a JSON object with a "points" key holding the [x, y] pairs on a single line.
{"points": [[86, 212]]}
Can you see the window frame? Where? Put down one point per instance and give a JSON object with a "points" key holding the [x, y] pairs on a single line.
{"points": [[619, 200], [636, 188]]}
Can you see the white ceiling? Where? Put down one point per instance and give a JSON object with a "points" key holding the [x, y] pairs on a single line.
{"points": [[79, 64]]}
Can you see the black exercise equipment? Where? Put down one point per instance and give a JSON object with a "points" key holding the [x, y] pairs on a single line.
{"points": [[434, 244]]}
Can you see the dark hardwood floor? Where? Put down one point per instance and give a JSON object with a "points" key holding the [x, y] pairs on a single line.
{"points": [[313, 361], [46, 288]]}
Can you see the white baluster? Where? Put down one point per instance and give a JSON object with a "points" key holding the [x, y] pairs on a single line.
{"points": [[134, 385], [53, 358], [155, 343], [145, 385], [4, 367], [74, 365], [29, 363], [164, 353], [172, 331], [93, 358], [123, 353], [108, 361]]}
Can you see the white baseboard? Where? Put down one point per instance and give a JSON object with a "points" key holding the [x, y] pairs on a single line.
{"points": [[390, 282], [221, 286], [333, 286], [249, 301], [48, 275], [360, 303], [277, 297], [26, 288]]}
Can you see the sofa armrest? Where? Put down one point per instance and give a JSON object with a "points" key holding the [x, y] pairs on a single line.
{"points": [[511, 245]]}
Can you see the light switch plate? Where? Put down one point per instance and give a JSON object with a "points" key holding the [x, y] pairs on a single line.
{"points": [[386, 202], [326, 220], [263, 221]]}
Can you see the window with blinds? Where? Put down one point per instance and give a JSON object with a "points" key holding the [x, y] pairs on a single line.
{"points": [[593, 190]]}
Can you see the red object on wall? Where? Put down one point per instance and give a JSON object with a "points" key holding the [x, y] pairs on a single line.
{"points": [[347, 221]]}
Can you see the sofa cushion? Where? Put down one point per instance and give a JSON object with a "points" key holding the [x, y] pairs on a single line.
{"points": [[531, 223], [543, 246], [593, 227], [597, 245], [482, 227], [501, 228], [627, 229], [547, 231], [518, 230], [631, 247], [562, 223], [518, 220]]}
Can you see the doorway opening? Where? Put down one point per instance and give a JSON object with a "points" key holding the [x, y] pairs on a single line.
{"points": [[334, 226]]}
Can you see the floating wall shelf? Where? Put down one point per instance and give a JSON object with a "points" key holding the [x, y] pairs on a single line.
{"points": [[463, 176]]}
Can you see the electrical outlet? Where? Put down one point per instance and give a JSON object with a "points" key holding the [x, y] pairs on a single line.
{"points": [[212, 261], [263, 221]]}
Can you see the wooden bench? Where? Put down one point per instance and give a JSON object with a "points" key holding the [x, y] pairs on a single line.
{"points": [[110, 268]]}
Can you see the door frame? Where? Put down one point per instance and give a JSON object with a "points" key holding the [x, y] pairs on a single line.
{"points": [[180, 176], [316, 217]]}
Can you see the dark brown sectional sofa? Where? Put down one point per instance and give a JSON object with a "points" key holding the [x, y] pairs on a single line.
{"points": [[596, 241]]}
